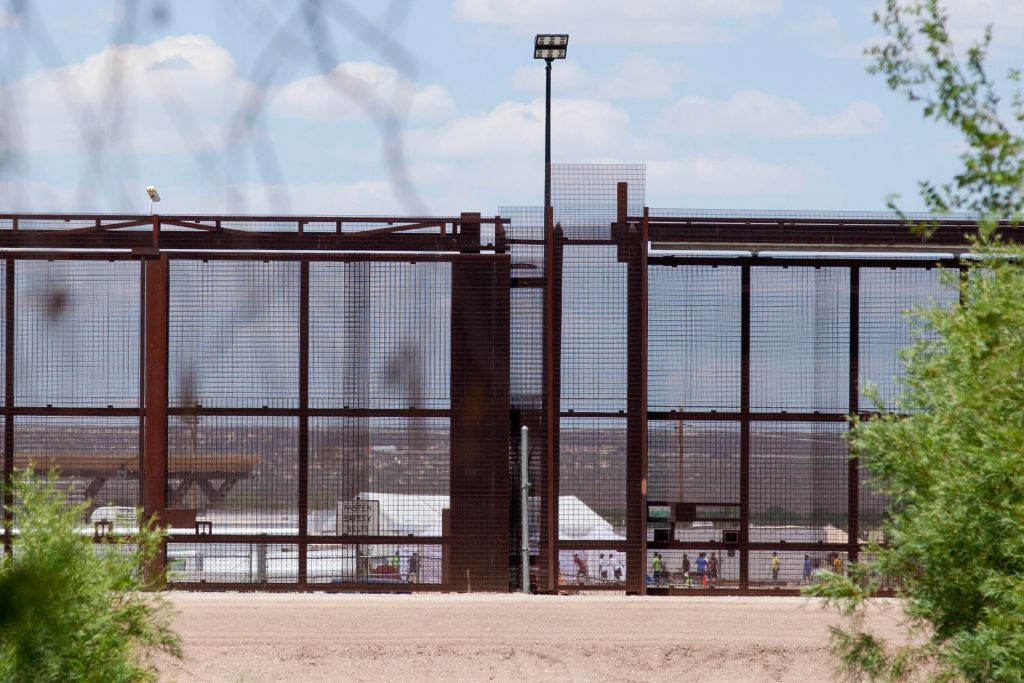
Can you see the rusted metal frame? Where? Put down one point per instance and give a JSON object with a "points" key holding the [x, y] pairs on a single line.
{"points": [[325, 587], [217, 242], [500, 239], [402, 256], [686, 415], [142, 378], [806, 546], [58, 255], [745, 418], [469, 233], [156, 323], [303, 483], [853, 466], [309, 538], [552, 387], [208, 228], [71, 411], [589, 587], [440, 225], [809, 261], [310, 412], [636, 395], [99, 227], [9, 359], [239, 218], [812, 231]]}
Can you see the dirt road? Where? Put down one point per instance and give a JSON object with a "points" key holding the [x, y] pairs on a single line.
{"points": [[253, 637]]}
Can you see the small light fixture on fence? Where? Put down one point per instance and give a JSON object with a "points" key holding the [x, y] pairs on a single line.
{"points": [[154, 196]]}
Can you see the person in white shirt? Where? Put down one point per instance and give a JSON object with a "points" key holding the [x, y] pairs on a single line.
{"points": [[604, 565]]}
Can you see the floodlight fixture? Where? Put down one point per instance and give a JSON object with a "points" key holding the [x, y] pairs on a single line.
{"points": [[548, 46], [154, 196]]}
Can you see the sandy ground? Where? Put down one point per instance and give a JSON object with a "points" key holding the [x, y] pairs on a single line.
{"points": [[311, 637]]}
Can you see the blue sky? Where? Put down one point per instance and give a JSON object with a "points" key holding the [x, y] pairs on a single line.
{"points": [[256, 106]]}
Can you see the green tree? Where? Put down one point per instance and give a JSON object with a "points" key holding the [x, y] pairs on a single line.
{"points": [[953, 464], [71, 610]]}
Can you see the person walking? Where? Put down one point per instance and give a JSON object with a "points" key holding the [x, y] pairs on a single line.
{"points": [[685, 568], [602, 567], [582, 573], [775, 565], [807, 569], [616, 566], [414, 568], [837, 563], [712, 570], [702, 569], [657, 566]]}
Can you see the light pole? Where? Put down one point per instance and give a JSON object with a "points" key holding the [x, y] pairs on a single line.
{"points": [[549, 47]]}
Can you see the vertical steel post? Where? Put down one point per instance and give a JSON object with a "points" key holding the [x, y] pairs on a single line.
{"points": [[633, 246], [745, 428], [524, 504], [853, 471], [547, 136], [154, 458], [552, 393], [8, 399], [303, 492]]}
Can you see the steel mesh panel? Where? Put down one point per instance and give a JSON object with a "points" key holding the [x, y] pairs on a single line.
{"points": [[693, 462], [793, 569], [77, 333], [584, 197], [234, 331], [402, 463], [97, 458], [375, 564], [239, 473], [798, 482], [682, 569], [583, 569], [694, 338], [593, 330], [527, 348], [592, 469], [799, 339], [379, 335], [232, 563], [887, 299]]}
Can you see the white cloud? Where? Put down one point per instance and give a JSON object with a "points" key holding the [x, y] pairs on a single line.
{"points": [[819, 21], [727, 175], [131, 97], [615, 21], [580, 128], [635, 77], [968, 19], [337, 94], [756, 113]]}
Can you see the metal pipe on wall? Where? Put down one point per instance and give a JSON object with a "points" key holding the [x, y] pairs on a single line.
{"points": [[524, 504]]}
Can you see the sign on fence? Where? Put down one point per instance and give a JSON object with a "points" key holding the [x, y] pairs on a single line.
{"points": [[358, 517]]}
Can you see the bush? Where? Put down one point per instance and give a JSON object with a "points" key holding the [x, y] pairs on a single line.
{"points": [[72, 610]]}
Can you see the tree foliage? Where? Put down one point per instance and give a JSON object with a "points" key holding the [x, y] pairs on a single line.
{"points": [[72, 610], [953, 462]]}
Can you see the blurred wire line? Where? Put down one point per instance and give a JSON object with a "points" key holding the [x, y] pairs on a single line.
{"points": [[295, 37]]}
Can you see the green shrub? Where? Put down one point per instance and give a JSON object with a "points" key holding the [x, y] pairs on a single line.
{"points": [[72, 610]]}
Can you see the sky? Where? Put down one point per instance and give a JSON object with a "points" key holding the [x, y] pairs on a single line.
{"points": [[436, 106]]}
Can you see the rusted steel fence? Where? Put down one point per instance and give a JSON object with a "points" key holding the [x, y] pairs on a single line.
{"points": [[336, 402]]}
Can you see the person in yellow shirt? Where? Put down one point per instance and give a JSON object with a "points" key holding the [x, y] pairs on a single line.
{"points": [[776, 564]]}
